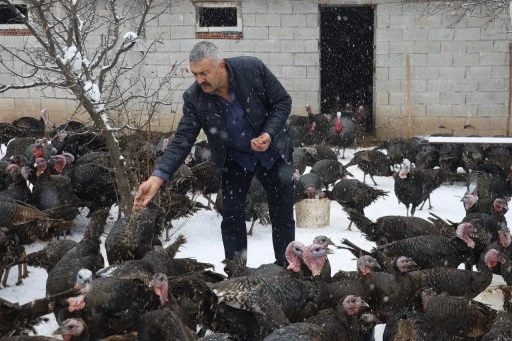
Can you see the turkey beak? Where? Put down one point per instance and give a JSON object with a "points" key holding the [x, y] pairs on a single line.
{"points": [[328, 251], [348, 173], [362, 303]]}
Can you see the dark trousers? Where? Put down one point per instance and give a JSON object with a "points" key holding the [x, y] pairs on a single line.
{"points": [[278, 184]]}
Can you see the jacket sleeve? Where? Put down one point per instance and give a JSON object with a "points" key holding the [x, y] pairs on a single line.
{"points": [[181, 145], [279, 101]]}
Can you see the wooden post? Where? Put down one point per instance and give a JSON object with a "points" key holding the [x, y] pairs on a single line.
{"points": [[408, 72], [509, 86]]}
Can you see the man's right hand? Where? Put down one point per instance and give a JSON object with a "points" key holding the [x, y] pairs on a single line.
{"points": [[147, 191]]}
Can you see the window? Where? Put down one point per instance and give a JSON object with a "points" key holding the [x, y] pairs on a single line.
{"points": [[10, 24], [216, 19], [8, 17]]}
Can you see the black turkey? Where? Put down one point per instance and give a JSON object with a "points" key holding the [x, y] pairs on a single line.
{"points": [[85, 255], [387, 229], [308, 186], [412, 187], [299, 331], [355, 195], [237, 267], [329, 171], [256, 205], [17, 188], [411, 325], [342, 132], [456, 316], [342, 323], [111, 305], [318, 152], [50, 255], [131, 237], [427, 251], [94, 185], [54, 193], [371, 162], [459, 282]]}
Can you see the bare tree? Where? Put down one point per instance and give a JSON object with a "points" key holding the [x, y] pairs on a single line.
{"points": [[491, 11], [86, 48]]}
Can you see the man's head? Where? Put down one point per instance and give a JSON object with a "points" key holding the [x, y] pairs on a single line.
{"points": [[208, 67]]}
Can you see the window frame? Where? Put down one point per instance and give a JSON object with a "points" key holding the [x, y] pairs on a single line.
{"points": [[17, 26], [238, 29]]}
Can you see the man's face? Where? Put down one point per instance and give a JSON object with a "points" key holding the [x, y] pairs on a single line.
{"points": [[208, 74]]}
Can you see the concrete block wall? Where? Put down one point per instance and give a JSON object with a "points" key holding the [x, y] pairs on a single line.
{"points": [[459, 76]]}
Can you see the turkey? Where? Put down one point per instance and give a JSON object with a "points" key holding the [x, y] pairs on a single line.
{"points": [[400, 148], [256, 204], [269, 302], [342, 132], [299, 331], [32, 127], [458, 282], [329, 171], [410, 325], [54, 193], [18, 189], [342, 323], [450, 157], [456, 316], [427, 251], [85, 255], [359, 282], [501, 329], [20, 319], [10, 251], [371, 162], [170, 321], [503, 245], [396, 290], [298, 127], [50, 255], [427, 157], [157, 260], [237, 267], [472, 157], [318, 152], [299, 161], [485, 185], [387, 229], [174, 206], [94, 185], [433, 179], [202, 182], [308, 186], [79, 143], [413, 186], [354, 195], [39, 149], [131, 237], [28, 222], [111, 305], [17, 146]]}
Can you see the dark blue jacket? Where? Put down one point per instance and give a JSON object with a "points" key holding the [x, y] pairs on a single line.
{"points": [[265, 101]]}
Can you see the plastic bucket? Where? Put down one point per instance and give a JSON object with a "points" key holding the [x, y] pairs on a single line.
{"points": [[313, 213]]}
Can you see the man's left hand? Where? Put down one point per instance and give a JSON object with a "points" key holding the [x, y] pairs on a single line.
{"points": [[261, 143]]}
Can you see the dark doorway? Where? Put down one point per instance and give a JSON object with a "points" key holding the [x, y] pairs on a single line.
{"points": [[346, 61]]}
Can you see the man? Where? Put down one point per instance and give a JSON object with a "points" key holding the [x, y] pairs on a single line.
{"points": [[242, 108]]}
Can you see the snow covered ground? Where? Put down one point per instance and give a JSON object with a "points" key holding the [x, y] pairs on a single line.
{"points": [[204, 239]]}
